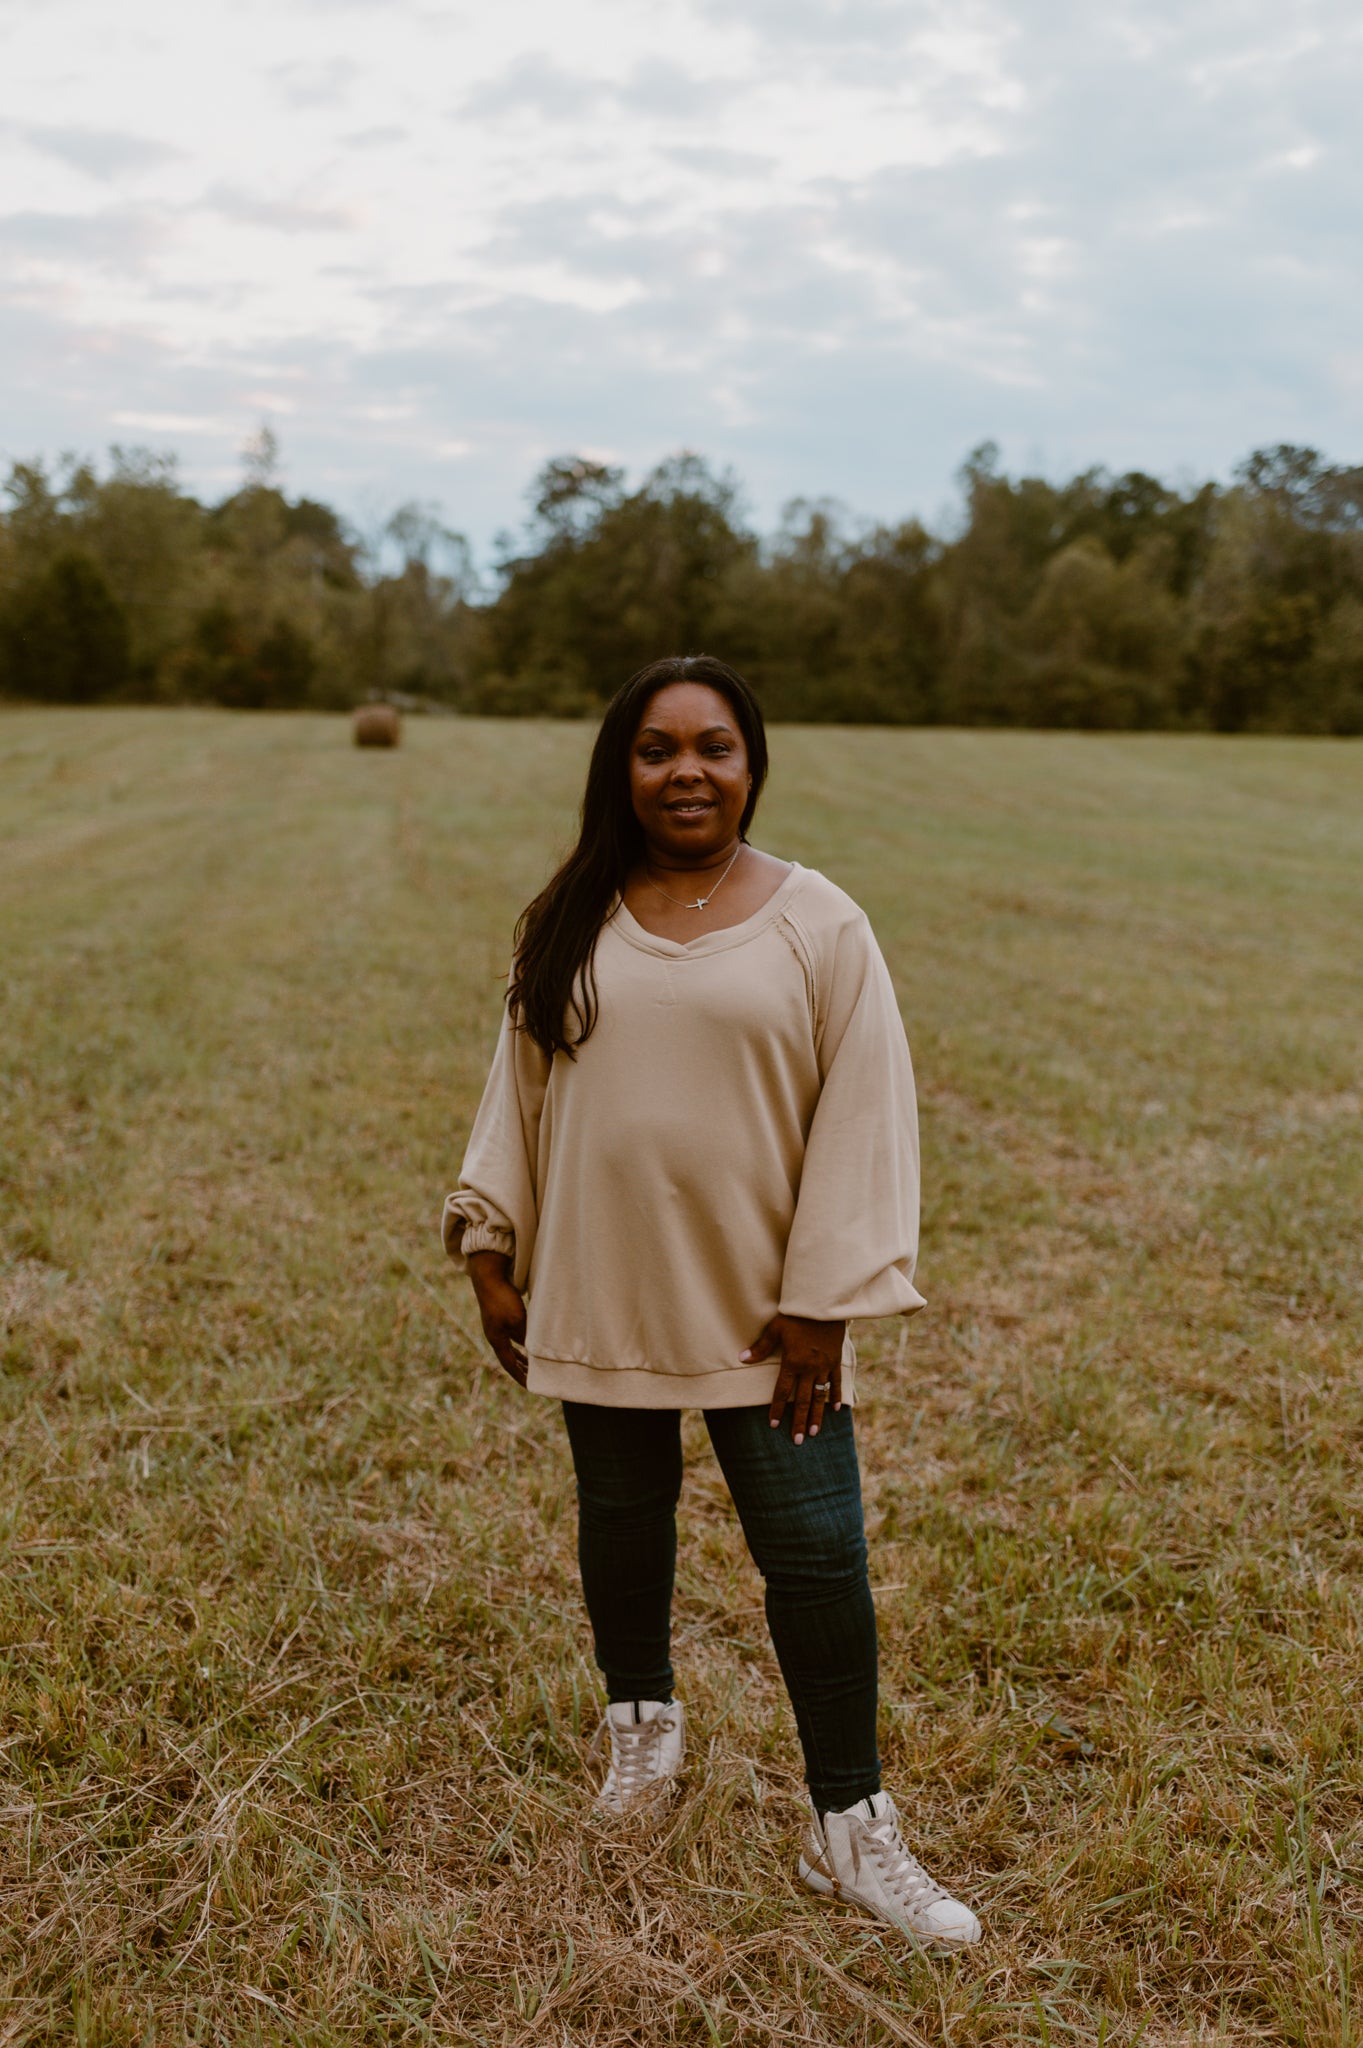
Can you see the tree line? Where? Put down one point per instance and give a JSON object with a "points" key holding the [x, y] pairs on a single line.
{"points": [[1103, 602]]}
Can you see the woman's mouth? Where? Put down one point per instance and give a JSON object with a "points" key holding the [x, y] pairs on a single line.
{"points": [[690, 807]]}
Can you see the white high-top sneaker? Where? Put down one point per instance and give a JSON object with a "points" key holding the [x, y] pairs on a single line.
{"points": [[648, 1740], [859, 1856]]}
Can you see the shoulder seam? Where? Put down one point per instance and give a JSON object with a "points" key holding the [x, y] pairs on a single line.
{"points": [[797, 937]]}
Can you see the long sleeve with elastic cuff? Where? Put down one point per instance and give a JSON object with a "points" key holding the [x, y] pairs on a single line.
{"points": [[496, 1206], [854, 1237]]}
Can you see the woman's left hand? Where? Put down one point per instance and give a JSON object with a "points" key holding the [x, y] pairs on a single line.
{"points": [[811, 1368]]}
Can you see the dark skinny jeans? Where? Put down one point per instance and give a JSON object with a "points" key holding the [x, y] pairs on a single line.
{"points": [[800, 1507]]}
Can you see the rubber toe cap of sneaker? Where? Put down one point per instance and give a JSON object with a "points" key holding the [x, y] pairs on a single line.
{"points": [[952, 1923]]}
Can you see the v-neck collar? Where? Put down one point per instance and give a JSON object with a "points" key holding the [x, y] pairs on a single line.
{"points": [[630, 929]]}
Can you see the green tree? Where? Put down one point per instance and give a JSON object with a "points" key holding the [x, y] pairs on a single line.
{"points": [[65, 635], [147, 535], [229, 663], [418, 631], [836, 624], [1101, 642], [1333, 680], [607, 580], [1286, 552]]}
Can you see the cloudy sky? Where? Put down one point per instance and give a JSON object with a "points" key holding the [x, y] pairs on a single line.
{"points": [[834, 243]]}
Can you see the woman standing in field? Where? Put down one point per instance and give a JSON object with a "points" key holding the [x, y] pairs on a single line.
{"points": [[697, 1154]]}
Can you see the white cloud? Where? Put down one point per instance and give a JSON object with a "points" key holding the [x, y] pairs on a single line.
{"points": [[102, 153], [833, 241]]}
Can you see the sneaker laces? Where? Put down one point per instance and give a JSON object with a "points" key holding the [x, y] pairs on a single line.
{"points": [[904, 1876], [634, 1752]]}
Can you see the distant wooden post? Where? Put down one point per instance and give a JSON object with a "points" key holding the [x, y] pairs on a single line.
{"points": [[377, 725]]}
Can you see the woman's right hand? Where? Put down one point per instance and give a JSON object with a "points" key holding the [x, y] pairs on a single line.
{"points": [[502, 1310]]}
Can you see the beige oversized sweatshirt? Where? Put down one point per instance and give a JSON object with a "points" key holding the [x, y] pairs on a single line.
{"points": [[738, 1135]]}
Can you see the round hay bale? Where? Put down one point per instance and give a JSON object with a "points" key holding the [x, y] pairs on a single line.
{"points": [[377, 725]]}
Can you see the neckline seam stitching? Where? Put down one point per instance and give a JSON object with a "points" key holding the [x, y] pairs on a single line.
{"points": [[646, 941]]}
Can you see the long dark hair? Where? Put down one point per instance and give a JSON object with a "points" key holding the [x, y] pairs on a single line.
{"points": [[553, 983]]}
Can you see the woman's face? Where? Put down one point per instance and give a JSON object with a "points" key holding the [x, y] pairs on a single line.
{"points": [[688, 772]]}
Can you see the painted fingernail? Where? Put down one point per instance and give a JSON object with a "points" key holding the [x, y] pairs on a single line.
{"points": [[814, 1429], [799, 1439], [775, 1421], [743, 1357]]}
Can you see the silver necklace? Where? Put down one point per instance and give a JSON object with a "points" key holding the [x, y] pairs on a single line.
{"points": [[700, 901]]}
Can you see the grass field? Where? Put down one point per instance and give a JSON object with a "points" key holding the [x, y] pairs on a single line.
{"points": [[295, 1689]]}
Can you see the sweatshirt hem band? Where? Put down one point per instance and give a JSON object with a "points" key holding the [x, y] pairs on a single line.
{"points": [[733, 1386]]}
